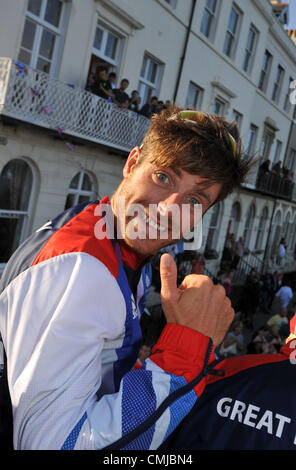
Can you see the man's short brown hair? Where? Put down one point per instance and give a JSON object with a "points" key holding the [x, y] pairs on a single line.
{"points": [[203, 147]]}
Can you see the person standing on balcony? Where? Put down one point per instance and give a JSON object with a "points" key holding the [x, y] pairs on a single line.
{"points": [[101, 87], [262, 173], [276, 169], [112, 80], [150, 108], [71, 295], [134, 101], [121, 98]]}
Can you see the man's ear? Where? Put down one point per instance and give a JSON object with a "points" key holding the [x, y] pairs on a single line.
{"points": [[131, 161]]}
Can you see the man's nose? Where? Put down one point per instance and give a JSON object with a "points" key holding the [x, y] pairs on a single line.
{"points": [[169, 203]]}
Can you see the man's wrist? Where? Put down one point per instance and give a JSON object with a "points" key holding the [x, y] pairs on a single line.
{"points": [[181, 349]]}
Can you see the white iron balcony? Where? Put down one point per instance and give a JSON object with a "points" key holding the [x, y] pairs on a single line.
{"points": [[34, 97]]}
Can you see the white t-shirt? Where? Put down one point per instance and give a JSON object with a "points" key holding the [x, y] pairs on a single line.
{"points": [[285, 294], [282, 250]]}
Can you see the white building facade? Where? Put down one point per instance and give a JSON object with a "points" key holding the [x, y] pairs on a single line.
{"points": [[61, 145]]}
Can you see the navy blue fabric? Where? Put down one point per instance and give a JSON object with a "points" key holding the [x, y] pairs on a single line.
{"points": [[134, 392], [127, 354], [269, 387]]}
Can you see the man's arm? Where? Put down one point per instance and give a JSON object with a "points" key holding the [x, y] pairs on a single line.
{"points": [[65, 322]]}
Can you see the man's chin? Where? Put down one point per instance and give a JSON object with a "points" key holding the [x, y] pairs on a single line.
{"points": [[147, 247]]}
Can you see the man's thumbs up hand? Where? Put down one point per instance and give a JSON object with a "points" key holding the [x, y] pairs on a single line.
{"points": [[196, 303]]}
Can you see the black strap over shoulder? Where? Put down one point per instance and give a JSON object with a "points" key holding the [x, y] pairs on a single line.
{"points": [[6, 426]]}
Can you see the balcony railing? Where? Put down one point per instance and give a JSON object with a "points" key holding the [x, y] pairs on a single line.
{"points": [[34, 97], [274, 185]]}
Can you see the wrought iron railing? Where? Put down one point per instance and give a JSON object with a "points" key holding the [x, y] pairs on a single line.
{"points": [[34, 97], [274, 185]]}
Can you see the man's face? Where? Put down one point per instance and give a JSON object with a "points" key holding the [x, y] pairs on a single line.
{"points": [[124, 85], [164, 202]]}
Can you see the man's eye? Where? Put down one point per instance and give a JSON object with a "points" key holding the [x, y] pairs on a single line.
{"points": [[162, 177]]}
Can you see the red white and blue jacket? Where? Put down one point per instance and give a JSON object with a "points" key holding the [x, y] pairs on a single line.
{"points": [[69, 319], [249, 403]]}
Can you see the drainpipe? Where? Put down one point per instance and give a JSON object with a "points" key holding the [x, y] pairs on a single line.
{"points": [[266, 252], [184, 50]]}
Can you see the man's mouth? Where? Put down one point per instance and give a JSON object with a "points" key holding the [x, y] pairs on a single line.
{"points": [[151, 223]]}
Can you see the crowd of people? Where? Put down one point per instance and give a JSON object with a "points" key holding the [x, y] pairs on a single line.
{"points": [[103, 84], [276, 178], [271, 295], [277, 169]]}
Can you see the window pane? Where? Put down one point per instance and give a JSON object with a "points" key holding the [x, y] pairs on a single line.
{"points": [[83, 199], [251, 38], [211, 4], [47, 44], [190, 101], [205, 24], [98, 38], [53, 12], [29, 35], [75, 181], [233, 21], [34, 6], [10, 233], [86, 184], [24, 57], [111, 46], [69, 201], [143, 68], [151, 75], [247, 61], [43, 65], [15, 185]]}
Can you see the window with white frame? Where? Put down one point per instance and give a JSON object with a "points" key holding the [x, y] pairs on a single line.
{"points": [[107, 45], [214, 226], [218, 106], [249, 225], [234, 218], [292, 241], [250, 49], [106, 51], [291, 159], [277, 151], [261, 229], [150, 77], [266, 143], [194, 96], [238, 117], [266, 66], [43, 33], [278, 84], [81, 190], [251, 140], [287, 102], [209, 18], [285, 228], [232, 32], [16, 180]]}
